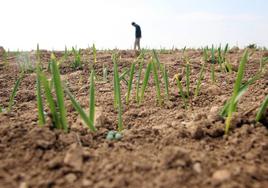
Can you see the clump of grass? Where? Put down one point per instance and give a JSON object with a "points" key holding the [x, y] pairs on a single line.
{"points": [[232, 105], [262, 109], [14, 92], [117, 93]]}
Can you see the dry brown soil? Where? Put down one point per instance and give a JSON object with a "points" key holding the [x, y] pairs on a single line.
{"points": [[162, 146]]}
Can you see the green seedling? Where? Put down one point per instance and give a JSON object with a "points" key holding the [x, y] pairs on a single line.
{"points": [[92, 98], [117, 93], [41, 115], [242, 90], [59, 93], [14, 92], [77, 58], [157, 84], [205, 54], [165, 76], [188, 79], [131, 75], [80, 111], [163, 71], [179, 85], [50, 101], [198, 85], [145, 82], [94, 53], [213, 73], [262, 109], [232, 106], [141, 62]]}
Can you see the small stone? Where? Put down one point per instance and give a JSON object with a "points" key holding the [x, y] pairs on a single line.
{"points": [[110, 137], [221, 175], [214, 114], [197, 167], [87, 183], [118, 136], [74, 157], [70, 177], [23, 185]]}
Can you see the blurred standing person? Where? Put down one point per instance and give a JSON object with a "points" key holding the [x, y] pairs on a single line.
{"points": [[137, 35]]}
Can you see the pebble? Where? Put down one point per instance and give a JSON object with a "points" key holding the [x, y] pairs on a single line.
{"points": [[70, 177], [221, 175], [197, 167]]}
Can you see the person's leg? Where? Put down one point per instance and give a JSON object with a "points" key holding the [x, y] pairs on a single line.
{"points": [[138, 43], [135, 44]]}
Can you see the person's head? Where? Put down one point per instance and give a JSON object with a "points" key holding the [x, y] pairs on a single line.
{"points": [[133, 23]]}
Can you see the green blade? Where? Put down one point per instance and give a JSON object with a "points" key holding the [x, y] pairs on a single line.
{"points": [[237, 86], [92, 97], [50, 101], [157, 84], [80, 110], [59, 93], [262, 109], [145, 81], [14, 92], [132, 70]]}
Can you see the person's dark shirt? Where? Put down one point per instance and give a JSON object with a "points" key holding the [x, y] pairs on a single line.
{"points": [[138, 31]]}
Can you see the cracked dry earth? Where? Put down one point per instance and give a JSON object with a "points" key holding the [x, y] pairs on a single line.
{"points": [[162, 146]]}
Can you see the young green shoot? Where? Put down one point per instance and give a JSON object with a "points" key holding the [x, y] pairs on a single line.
{"points": [[145, 82], [131, 75], [59, 93], [165, 76], [41, 115], [14, 92], [157, 83], [92, 98], [141, 62], [262, 109], [188, 79], [94, 53], [237, 86], [50, 101], [117, 93], [198, 85], [80, 111], [179, 85]]}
